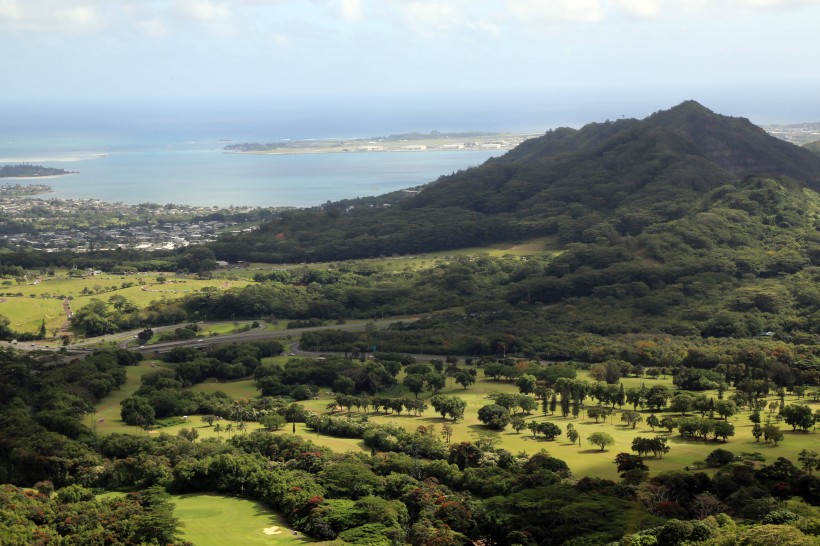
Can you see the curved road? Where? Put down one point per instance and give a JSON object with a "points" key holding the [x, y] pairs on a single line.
{"points": [[257, 334]]}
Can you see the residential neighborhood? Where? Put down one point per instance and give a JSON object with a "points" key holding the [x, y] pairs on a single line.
{"points": [[83, 225]]}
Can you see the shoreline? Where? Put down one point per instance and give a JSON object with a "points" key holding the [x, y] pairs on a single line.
{"points": [[37, 177], [455, 143]]}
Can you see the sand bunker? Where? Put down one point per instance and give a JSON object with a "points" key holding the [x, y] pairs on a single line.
{"points": [[272, 530]]}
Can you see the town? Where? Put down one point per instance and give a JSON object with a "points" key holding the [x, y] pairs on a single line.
{"points": [[83, 225]]}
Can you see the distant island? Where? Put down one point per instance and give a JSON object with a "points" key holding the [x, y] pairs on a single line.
{"points": [[406, 142], [30, 171]]}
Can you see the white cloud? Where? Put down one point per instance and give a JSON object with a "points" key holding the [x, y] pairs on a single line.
{"points": [[50, 16], [204, 10], [556, 11], [644, 9], [774, 4], [428, 16], [351, 10]]}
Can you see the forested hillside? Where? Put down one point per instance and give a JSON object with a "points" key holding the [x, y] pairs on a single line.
{"points": [[618, 177]]}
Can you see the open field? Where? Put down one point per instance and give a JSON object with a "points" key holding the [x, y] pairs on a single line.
{"points": [[244, 388], [31, 303], [216, 520], [210, 519], [584, 460], [27, 305]]}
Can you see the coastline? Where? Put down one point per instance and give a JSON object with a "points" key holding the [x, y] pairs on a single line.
{"points": [[431, 143], [37, 177]]}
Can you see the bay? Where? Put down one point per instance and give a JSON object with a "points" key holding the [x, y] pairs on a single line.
{"points": [[172, 152], [204, 175]]}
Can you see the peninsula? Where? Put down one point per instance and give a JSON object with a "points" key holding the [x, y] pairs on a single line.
{"points": [[406, 142], [30, 171]]}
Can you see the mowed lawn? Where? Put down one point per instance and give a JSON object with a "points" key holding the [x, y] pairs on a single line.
{"points": [[583, 460], [216, 520], [210, 519]]}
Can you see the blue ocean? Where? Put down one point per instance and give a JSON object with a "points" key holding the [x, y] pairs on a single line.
{"points": [[173, 153]]}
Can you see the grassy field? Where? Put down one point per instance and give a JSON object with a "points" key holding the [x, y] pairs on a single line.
{"points": [[235, 389], [210, 519], [584, 460], [42, 299], [216, 520]]}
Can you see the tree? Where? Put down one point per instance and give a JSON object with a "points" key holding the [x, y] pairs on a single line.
{"points": [[208, 419], [631, 418], [452, 406], [435, 381], [599, 412], [598, 372], [626, 462], [465, 379], [145, 336], [669, 423], [653, 421], [725, 408], [190, 434], [517, 423], [613, 371], [798, 416], [345, 385], [199, 259], [273, 421], [657, 446], [414, 383], [573, 435], [601, 439], [719, 457], [656, 397], [157, 524], [447, 431], [757, 431], [494, 416], [526, 383], [772, 433], [137, 411], [681, 403], [723, 429], [809, 460]]}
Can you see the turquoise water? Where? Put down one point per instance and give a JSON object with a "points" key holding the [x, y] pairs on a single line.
{"points": [[173, 152], [202, 174]]}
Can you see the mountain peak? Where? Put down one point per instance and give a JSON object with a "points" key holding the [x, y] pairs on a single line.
{"points": [[736, 144]]}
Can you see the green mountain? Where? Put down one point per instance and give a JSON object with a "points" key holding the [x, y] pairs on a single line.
{"points": [[684, 223], [578, 185]]}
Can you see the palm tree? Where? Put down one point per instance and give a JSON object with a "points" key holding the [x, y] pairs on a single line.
{"points": [[241, 427], [229, 428], [218, 429]]}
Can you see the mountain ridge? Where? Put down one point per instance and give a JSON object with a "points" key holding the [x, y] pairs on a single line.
{"points": [[625, 174]]}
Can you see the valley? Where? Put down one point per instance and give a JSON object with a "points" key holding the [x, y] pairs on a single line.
{"points": [[604, 336]]}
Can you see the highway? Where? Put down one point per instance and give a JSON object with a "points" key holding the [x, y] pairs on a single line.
{"points": [[257, 334]]}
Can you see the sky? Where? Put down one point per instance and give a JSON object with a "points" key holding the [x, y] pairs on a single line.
{"points": [[756, 58]]}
